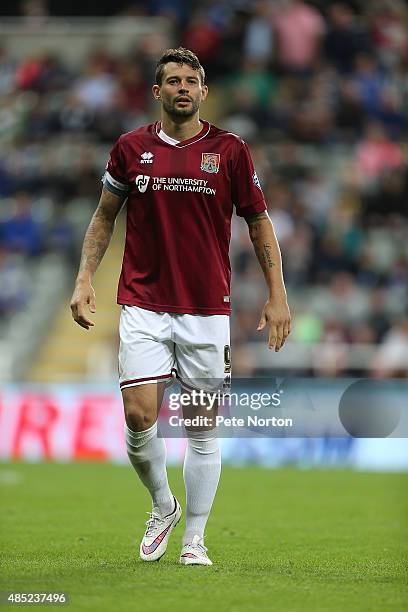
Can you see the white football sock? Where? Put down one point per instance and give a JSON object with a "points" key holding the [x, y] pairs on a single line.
{"points": [[202, 467], [147, 454]]}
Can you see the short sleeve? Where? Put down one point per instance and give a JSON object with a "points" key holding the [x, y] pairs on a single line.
{"points": [[247, 194], [114, 178]]}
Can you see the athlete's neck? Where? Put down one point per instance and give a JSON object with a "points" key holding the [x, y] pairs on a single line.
{"points": [[181, 128]]}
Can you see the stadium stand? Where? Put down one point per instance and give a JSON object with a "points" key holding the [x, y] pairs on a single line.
{"points": [[319, 90]]}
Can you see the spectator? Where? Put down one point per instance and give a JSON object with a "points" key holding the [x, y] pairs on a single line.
{"points": [[97, 88], [7, 71], [378, 319], [331, 353], [345, 303], [391, 359], [21, 232], [299, 28], [14, 284], [202, 36], [390, 198], [350, 112], [368, 83], [377, 154], [345, 38], [259, 38], [389, 26]]}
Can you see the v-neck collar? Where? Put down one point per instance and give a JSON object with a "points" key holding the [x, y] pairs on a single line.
{"points": [[163, 136], [183, 143]]}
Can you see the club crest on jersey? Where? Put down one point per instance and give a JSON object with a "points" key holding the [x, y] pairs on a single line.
{"points": [[210, 162]]}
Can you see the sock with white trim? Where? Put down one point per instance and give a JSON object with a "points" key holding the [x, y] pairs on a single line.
{"points": [[201, 471], [147, 454]]}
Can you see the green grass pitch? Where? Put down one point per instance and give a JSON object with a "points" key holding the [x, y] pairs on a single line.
{"points": [[280, 540]]}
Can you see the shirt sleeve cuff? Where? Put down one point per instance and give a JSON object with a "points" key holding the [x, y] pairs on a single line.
{"points": [[252, 209]]}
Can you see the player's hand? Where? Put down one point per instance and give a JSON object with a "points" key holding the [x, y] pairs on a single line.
{"points": [[276, 314], [83, 297]]}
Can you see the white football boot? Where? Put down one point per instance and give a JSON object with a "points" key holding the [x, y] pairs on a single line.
{"points": [[157, 534], [195, 553]]}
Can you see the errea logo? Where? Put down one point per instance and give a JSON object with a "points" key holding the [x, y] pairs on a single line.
{"points": [[146, 158]]}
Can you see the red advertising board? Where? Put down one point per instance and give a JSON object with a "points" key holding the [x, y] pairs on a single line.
{"points": [[65, 423]]}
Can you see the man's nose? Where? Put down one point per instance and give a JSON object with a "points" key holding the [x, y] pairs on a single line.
{"points": [[183, 88]]}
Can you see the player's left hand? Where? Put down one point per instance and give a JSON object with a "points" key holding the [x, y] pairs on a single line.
{"points": [[276, 314]]}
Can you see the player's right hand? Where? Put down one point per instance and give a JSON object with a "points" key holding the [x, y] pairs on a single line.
{"points": [[83, 296]]}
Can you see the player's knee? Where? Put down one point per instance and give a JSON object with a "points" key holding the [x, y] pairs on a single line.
{"points": [[140, 405], [138, 418]]}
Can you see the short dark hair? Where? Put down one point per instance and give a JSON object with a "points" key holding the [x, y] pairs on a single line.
{"points": [[179, 56]]}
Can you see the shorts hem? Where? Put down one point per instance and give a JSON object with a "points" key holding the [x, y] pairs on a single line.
{"points": [[134, 382], [203, 387]]}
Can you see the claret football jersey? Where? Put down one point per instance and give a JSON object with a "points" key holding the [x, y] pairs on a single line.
{"points": [[180, 199]]}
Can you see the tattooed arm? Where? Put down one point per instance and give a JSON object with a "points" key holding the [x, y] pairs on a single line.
{"points": [[96, 242], [276, 310]]}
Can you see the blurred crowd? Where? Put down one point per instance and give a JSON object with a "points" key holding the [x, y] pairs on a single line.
{"points": [[320, 92]]}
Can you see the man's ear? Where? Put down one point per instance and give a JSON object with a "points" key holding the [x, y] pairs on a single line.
{"points": [[204, 93], [156, 92]]}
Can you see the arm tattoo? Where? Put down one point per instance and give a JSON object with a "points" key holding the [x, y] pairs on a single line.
{"points": [[99, 233], [266, 256], [257, 217], [256, 232], [255, 225], [95, 244]]}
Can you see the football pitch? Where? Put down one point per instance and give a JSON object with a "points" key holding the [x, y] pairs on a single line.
{"points": [[280, 540]]}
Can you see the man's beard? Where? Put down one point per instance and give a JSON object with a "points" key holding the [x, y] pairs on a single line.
{"points": [[172, 110]]}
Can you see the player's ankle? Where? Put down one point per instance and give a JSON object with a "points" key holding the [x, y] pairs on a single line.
{"points": [[165, 506], [189, 536]]}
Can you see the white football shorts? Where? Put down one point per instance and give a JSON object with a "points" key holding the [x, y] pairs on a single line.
{"points": [[158, 346]]}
